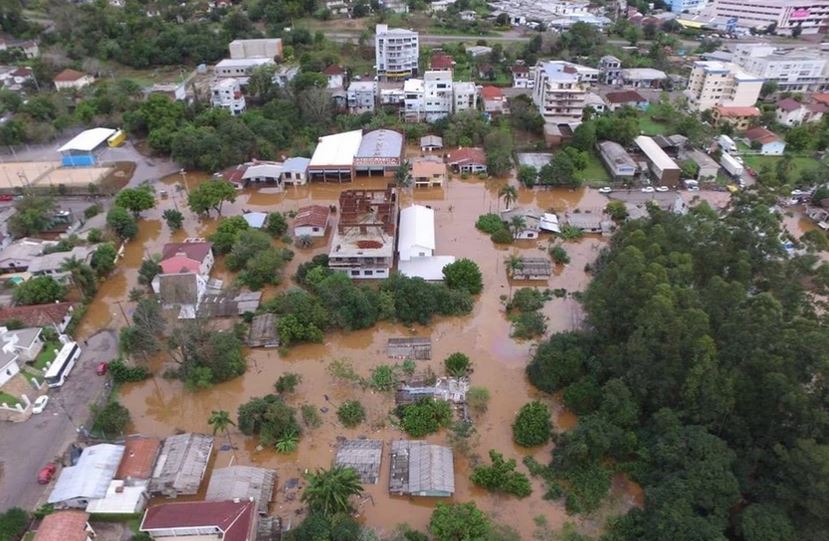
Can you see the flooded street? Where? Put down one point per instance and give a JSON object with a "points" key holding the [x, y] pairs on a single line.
{"points": [[161, 407]]}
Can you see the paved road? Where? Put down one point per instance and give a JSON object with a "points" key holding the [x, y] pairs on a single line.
{"points": [[27, 447]]}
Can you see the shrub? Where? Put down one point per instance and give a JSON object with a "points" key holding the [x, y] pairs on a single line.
{"points": [[351, 413], [426, 416], [287, 382], [489, 223], [13, 523], [528, 324], [478, 399], [110, 420], [121, 373], [617, 210], [501, 476], [276, 226], [383, 378], [92, 211], [529, 299], [463, 274], [559, 255], [310, 416], [502, 236], [569, 232], [457, 365], [532, 425]]}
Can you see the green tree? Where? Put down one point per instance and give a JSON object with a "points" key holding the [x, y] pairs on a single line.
{"points": [[458, 522], [465, 275], [122, 223], [13, 524], [509, 194], [111, 420], [39, 290], [83, 276], [501, 476], [527, 175], [617, 210], [103, 259], [457, 365], [220, 421], [227, 232], [425, 416], [351, 413], [33, 214], [174, 219], [287, 382], [136, 200], [276, 224], [211, 195], [799, 138], [329, 491], [148, 270], [532, 425]]}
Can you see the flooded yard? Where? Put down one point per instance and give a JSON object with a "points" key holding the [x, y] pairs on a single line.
{"points": [[160, 407]]}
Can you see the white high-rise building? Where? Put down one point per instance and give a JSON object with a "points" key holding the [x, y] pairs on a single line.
{"points": [[725, 84], [800, 69], [559, 92], [227, 93], [809, 16], [396, 52]]}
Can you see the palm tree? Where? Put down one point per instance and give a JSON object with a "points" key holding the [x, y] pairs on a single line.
{"points": [[220, 421], [82, 275], [329, 491], [516, 224], [509, 194]]}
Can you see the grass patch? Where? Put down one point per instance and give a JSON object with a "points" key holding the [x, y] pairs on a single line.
{"points": [[800, 164], [649, 126], [6, 398], [46, 355], [30, 376], [595, 173]]}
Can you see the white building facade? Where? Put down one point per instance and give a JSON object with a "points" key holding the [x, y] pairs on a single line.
{"points": [[361, 96], [794, 70], [559, 93], [227, 94], [714, 83], [809, 16], [396, 52]]}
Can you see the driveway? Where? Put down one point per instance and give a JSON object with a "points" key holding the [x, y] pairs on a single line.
{"points": [[27, 447]]}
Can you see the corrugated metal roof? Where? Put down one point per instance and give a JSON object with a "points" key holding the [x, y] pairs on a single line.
{"points": [[90, 477]]}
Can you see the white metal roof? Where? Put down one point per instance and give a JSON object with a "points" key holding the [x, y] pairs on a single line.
{"points": [[263, 170], [255, 220], [295, 165], [337, 149], [91, 476], [654, 153], [428, 268], [417, 228], [88, 140]]}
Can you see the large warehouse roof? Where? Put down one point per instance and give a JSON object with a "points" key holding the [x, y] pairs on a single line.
{"points": [[654, 153], [88, 140], [381, 144], [338, 149]]}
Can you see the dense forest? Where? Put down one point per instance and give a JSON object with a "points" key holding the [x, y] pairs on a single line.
{"points": [[702, 374]]}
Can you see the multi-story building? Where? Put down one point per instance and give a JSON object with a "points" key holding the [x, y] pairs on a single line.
{"points": [[809, 16], [396, 52], [794, 70], [413, 100], [361, 96], [227, 93], [679, 6], [610, 70], [559, 92], [523, 76], [465, 96], [721, 83], [437, 95]]}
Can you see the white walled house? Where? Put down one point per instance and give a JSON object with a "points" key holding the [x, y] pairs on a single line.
{"points": [[227, 94], [361, 96], [465, 96], [335, 75], [417, 232], [8, 363], [70, 79], [311, 221], [295, 171]]}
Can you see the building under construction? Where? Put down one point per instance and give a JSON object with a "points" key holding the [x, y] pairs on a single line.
{"points": [[364, 240]]}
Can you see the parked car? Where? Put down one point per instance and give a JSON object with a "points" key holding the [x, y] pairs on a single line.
{"points": [[648, 189], [101, 368], [606, 189], [6, 197], [46, 473], [662, 189], [40, 404]]}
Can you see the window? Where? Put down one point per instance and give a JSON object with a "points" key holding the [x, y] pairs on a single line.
{"points": [[355, 273], [315, 229], [369, 273]]}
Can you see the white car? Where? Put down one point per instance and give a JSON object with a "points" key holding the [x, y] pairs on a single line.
{"points": [[40, 404], [648, 189], [662, 189], [606, 189]]}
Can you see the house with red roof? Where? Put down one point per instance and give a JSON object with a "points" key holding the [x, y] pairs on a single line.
{"points": [[70, 79], [494, 101], [467, 160], [192, 255], [336, 77], [65, 526], [311, 221], [766, 141], [56, 315], [441, 61], [791, 112], [739, 117], [201, 521]]}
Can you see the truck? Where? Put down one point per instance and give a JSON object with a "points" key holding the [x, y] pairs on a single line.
{"points": [[732, 166], [726, 143]]}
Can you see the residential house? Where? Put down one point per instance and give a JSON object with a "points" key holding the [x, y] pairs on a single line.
{"points": [[231, 520], [26, 343], [626, 98], [192, 255], [522, 76], [769, 143], [52, 264], [242, 483], [428, 172], [70, 79], [19, 255], [396, 52], [295, 171], [335, 75], [227, 94], [596, 102], [57, 315], [494, 101], [183, 291], [467, 160], [395, 6], [65, 526], [419, 468], [791, 112], [610, 69], [9, 366], [465, 96], [618, 162], [262, 172], [311, 221], [363, 456], [284, 75], [429, 143], [713, 83], [441, 61], [139, 458], [361, 96], [89, 478], [643, 78], [664, 169], [181, 465], [529, 218], [587, 222], [739, 117]]}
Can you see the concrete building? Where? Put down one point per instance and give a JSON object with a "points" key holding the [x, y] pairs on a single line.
{"points": [[363, 242], [361, 97], [335, 75], [441, 61], [89, 478], [429, 143], [559, 93], [808, 15], [610, 70], [295, 171], [438, 95], [495, 103], [713, 83], [413, 100], [227, 94], [643, 78], [664, 170], [800, 69], [380, 152], [617, 161], [396, 52], [240, 68], [739, 117], [769, 143], [682, 6], [428, 172], [790, 112], [416, 245], [70, 79], [465, 96], [523, 76], [333, 159], [256, 48], [419, 468]]}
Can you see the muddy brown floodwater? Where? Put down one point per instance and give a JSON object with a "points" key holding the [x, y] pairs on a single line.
{"points": [[159, 406]]}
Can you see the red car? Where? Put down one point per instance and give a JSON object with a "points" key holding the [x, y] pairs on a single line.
{"points": [[6, 197], [101, 368], [46, 473]]}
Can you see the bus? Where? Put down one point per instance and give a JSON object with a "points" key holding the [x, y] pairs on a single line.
{"points": [[64, 362]]}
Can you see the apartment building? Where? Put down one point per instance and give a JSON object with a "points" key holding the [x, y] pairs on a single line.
{"points": [[721, 83], [227, 93], [559, 92], [610, 70], [801, 69], [361, 96], [465, 96], [809, 16], [396, 52], [680, 6], [438, 95]]}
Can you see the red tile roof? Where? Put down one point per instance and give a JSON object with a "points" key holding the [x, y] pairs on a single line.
{"points": [[179, 263], [312, 216], [821, 98], [491, 93], [22, 72], [234, 174], [193, 250], [69, 75], [37, 315], [762, 135], [139, 458], [441, 61], [520, 68], [464, 156], [737, 112], [235, 520], [817, 107], [625, 96], [63, 526], [788, 105], [333, 69]]}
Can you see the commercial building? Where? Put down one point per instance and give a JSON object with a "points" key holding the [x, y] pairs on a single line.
{"points": [[799, 69], [89, 478], [363, 242], [416, 245], [739, 117], [559, 92], [713, 83], [428, 172], [81, 149], [240, 68], [396, 52], [681, 6], [333, 159], [419, 468], [617, 161], [786, 15], [361, 97], [664, 169], [227, 94], [256, 48], [643, 78], [380, 152]]}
